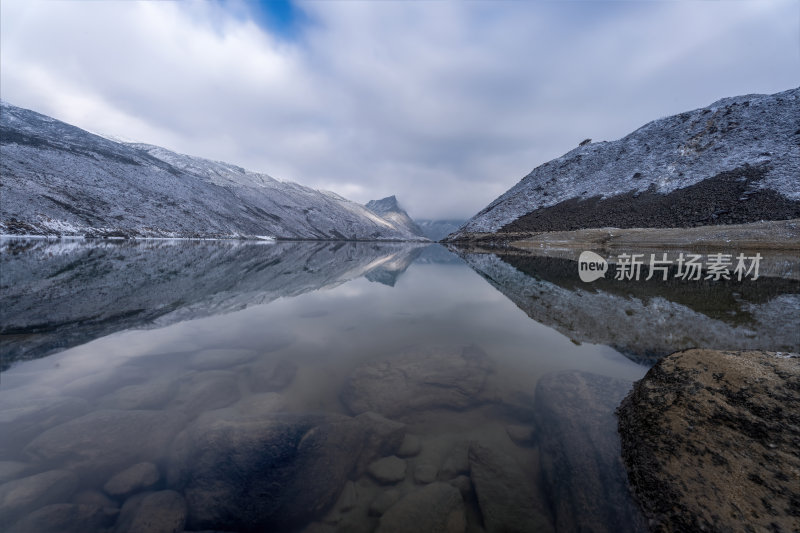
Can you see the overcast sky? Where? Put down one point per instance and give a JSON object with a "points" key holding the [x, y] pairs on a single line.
{"points": [[445, 104]]}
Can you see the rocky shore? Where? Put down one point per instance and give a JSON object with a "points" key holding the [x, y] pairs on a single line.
{"points": [[711, 438]]}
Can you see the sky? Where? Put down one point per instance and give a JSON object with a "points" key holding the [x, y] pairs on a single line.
{"points": [[445, 104]]}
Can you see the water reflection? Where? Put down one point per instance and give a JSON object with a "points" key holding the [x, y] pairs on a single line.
{"points": [[647, 320], [323, 387], [61, 294]]}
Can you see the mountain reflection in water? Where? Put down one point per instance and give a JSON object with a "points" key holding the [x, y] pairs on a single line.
{"points": [[332, 386]]}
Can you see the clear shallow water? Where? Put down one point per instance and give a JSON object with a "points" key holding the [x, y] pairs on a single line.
{"points": [[242, 387]]}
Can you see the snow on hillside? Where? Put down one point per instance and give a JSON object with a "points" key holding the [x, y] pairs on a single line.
{"points": [[61, 180], [666, 155]]}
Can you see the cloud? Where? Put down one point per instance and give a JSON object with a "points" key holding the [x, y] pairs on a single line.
{"points": [[445, 104]]}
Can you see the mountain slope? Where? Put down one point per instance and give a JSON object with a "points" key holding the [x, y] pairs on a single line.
{"points": [[389, 209], [734, 161], [60, 180]]}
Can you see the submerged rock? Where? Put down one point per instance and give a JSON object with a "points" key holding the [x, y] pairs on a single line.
{"points": [[270, 472], [388, 470], [410, 446], [436, 377], [456, 462], [580, 452], [22, 496], [205, 391], [218, 358], [154, 512], [10, 470], [437, 507], [425, 473], [101, 443], [383, 502], [509, 500], [524, 436], [384, 438], [265, 377], [66, 518], [134, 479], [153, 394], [21, 421], [711, 438]]}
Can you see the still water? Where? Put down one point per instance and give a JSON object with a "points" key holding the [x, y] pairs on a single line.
{"points": [[352, 387]]}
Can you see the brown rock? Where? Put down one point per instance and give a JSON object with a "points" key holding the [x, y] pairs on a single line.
{"points": [[711, 440]]}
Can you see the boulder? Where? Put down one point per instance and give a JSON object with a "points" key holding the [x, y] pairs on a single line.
{"points": [[103, 442], [138, 477], [22, 496], [580, 452], [437, 507], [710, 440], [270, 472], [388, 470], [510, 501], [435, 377], [154, 512], [66, 518]]}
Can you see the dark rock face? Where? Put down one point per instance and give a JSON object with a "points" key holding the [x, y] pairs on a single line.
{"points": [[271, 472], [580, 452], [711, 441], [437, 507], [507, 498], [730, 197], [421, 379]]}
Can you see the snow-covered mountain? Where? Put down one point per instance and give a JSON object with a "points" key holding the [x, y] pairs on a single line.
{"points": [[58, 179], [735, 161], [389, 209]]}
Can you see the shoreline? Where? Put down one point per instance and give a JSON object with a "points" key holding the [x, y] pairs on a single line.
{"points": [[773, 235]]}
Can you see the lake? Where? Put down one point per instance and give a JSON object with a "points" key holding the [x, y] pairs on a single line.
{"points": [[338, 386]]}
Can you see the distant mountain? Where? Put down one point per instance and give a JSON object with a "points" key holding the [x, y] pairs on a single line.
{"points": [[437, 230], [735, 161], [389, 209], [61, 180]]}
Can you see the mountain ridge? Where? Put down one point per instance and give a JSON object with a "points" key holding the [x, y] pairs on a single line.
{"points": [[389, 209], [60, 180], [747, 143]]}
